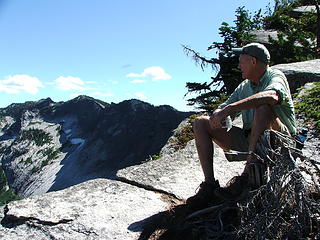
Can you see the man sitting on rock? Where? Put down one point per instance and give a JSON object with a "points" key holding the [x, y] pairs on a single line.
{"points": [[265, 102]]}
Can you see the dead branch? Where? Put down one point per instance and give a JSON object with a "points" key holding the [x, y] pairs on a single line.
{"points": [[204, 211]]}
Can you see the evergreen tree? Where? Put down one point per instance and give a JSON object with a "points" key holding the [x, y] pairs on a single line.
{"points": [[228, 76], [296, 35], [296, 42]]}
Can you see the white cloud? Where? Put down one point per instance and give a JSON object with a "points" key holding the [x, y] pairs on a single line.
{"points": [[133, 75], [70, 83], [49, 83], [138, 81], [156, 73], [20, 83], [140, 95], [90, 82]]}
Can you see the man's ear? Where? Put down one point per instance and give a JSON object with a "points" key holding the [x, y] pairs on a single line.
{"points": [[253, 60]]}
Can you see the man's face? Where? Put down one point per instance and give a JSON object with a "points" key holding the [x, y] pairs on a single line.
{"points": [[246, 65]]}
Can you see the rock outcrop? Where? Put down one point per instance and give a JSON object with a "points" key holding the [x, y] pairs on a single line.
{"points": [[300, 73], [178, 172], [299, 11], [113, 209], [96, 209], [262, 36]]}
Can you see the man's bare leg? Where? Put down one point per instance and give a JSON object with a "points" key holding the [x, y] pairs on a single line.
{"points": [[204, 135], [264, 118]]}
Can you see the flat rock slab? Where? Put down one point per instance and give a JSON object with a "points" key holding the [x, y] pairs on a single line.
{"points": [[97, 209], [262, 36], [311, 67], [180, 173], [300, 73]]}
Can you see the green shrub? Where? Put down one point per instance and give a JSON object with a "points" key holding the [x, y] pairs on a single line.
{"points": [[39, 136], [51, 153], [28, 160], [308, 105], [44, 163], [35, 169], [6, 196], [153, 157], [59, 131], [3, 179], [34, 123], [185, 134]]}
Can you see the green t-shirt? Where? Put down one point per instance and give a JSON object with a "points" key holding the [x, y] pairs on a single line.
{"points": [[271, 80]]}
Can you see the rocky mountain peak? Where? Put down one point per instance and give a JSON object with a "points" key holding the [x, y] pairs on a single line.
{"points": [[48, 146]]}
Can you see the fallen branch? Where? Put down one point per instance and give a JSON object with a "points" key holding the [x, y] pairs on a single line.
{"points": [[204, 211]]}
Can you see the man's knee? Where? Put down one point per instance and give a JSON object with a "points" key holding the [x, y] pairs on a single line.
{"points": [[265, 111], [200, 122]]}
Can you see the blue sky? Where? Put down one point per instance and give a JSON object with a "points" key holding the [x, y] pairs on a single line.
{"points": [[111, 50]]}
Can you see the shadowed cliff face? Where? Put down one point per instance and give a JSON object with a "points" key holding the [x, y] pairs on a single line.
{"points": [[48, 146]]}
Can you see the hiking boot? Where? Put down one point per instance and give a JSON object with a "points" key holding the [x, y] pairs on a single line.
{"points": [[205, 196], [236, 188]]}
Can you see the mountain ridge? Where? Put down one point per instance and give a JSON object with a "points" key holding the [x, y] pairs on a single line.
{"points": [[48, 146]]}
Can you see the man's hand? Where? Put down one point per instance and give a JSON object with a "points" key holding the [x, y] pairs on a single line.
{"points": [[267, 97], [217, 116]]}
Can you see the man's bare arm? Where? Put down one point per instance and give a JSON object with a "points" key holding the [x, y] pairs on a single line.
{"points": [[270, 97]]}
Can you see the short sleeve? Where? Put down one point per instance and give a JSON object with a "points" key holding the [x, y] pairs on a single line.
{"points": [[235, 96], [279, 85]]}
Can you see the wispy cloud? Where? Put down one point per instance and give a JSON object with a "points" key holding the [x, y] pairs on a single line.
{"points": [[70, 83], [90, 82], [140, 95], [138, 81], [20, 83], [156, 73]]}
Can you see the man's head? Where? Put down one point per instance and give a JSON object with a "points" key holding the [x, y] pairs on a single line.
{"points": [[253, 60], [257, 50]]}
